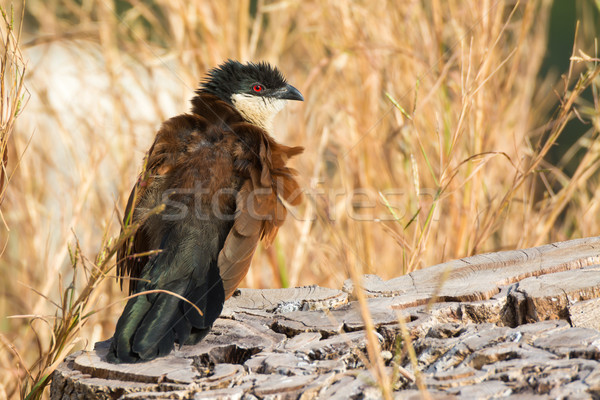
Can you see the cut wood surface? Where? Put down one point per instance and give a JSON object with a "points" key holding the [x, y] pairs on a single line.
{"points": [[480, 277], [585, 314], [495, 325]]}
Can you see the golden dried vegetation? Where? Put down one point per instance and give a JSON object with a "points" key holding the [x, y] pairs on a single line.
{"points": [[426, 125]]}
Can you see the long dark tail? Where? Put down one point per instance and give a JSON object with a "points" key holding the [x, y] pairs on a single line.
{"points": [[152, 323]]}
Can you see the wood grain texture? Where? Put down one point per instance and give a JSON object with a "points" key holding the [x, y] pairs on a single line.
{"points": [[550, 296], [503, 324], [480, 277], [585, 314]]}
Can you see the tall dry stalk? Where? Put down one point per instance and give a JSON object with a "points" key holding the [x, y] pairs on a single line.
{"points": [[13, 94]]}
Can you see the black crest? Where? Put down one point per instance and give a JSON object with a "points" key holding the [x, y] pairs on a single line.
{"points": [[234, 77]]}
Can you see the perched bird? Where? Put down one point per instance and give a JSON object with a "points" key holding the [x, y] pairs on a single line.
{"points": [[224, 185]]}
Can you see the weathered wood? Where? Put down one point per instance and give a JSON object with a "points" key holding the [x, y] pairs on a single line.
{"points": [[287, 300], [233, 341], [585, 314], [549, 296], [479, 277], [170, 368], [503, 324]]}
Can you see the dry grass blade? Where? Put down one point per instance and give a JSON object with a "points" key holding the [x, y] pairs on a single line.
{"points": [[13, 94], [76, 309], [408, 348], [565, 113], [377, 365]]}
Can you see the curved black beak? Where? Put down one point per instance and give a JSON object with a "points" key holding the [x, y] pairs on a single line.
{"points": [[289, 93]]}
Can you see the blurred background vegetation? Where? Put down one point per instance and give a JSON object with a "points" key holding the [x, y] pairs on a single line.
{"points": [[433, 130]]}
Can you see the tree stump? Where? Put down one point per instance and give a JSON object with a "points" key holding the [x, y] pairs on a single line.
{"points": [[495, 325]]}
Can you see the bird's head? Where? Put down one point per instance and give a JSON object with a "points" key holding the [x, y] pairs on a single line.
{"points": [[257, 91]]}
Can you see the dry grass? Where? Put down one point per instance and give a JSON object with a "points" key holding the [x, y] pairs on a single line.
{"points": [[425, 125], [13, 96]]}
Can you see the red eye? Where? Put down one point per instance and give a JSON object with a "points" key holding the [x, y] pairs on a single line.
{"points": [[257, 88]]}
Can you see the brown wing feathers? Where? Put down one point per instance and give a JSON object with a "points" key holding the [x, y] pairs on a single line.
{"points": [[259, 209], [213, 149]]}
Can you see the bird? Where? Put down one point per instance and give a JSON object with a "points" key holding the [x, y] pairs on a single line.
{"points": [[215, 183]]}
